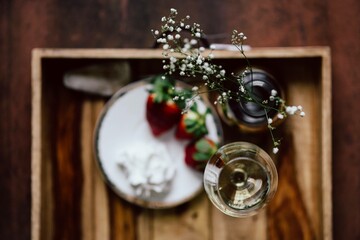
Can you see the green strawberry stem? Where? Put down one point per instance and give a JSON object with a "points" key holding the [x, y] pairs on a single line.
{"points": [[204, 149]]}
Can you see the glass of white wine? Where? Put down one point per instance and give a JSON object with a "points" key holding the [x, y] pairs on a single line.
{"points": [[240, 179]]}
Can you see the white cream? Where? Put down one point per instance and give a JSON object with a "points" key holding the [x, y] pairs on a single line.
{"points": [[148, 167]]}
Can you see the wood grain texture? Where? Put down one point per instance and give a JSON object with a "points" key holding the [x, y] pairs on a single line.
{"points": [[94, 198], [111, 24], [67, 172], [289, 204]]}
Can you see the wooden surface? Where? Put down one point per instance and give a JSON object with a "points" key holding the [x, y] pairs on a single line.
{"points": [[70, 200], [113, 24]]}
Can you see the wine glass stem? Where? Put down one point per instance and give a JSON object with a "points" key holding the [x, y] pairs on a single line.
{"points": [[239, 178]]}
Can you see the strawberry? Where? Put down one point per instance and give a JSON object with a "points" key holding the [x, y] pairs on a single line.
{"points": [[192, 124], [161, 116], [198, 152], [162, 113]]}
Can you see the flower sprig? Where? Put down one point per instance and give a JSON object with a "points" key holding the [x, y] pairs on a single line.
{"points": [[185, 56]]}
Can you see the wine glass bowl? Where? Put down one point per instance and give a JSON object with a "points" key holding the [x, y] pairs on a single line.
{"points": [[240, 179]]}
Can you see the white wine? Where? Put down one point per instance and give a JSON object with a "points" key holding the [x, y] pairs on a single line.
{"points": [[239, 181], [243, 183]]}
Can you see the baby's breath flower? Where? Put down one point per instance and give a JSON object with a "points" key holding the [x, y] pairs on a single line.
{"points": [[193, 41], [273, 92], [208, 70], [195, 88], [242, 89], [275, 150], [166, 46], [184, 57], [161, 40], [291, 110]]}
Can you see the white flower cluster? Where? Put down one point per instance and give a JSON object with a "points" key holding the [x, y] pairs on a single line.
{"points": [[283, 112], [185, 57], [292, 110], [289, 110]]}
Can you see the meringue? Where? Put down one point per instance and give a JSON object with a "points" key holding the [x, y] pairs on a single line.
{"points": [[148, 168]]}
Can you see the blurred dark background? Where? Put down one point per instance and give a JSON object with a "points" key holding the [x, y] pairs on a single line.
{"points": [[26, 25]]}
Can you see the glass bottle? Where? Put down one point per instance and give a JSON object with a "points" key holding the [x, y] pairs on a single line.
{"points": [[250, 116]]}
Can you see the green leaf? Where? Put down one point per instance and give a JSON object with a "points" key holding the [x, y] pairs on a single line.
{"points": [[199, 156], [189, 123], [203, 146], [163, 89]]}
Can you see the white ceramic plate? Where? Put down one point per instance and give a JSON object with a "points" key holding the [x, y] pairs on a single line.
{"points": [[122, 123]]}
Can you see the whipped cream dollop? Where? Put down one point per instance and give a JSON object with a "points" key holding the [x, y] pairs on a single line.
{"points": [[148, 167]]}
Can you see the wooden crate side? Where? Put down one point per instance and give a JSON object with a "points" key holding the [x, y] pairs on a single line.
{"points": [[326, 153], [126, 53], [36, 145]]}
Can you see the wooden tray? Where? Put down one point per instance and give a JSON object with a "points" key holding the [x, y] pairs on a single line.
{"points": [[71, 201]]}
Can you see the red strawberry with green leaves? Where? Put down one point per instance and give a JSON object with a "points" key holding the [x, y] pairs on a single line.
{"points": [[162, 113], [192, 124], [198, 152]]}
